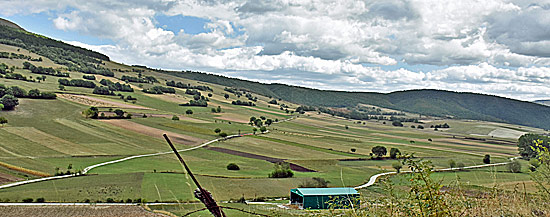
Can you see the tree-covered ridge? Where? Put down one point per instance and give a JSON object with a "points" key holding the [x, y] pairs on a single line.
{"points": [[75, 58], [427, 102]]}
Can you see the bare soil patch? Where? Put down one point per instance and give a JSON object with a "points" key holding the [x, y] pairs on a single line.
{"points": [[5, 178], [154, 132], [92, 101], [294, 167], [77, 210]]}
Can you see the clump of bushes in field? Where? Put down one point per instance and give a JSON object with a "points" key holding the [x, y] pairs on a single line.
{"points": [[159, 90], [45, 71], [233, 166], [94, 113], [281, 170], [9, 96]]}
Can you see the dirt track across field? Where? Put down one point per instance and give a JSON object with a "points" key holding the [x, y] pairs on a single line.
{"points": [[293, 166], [154, 132]]}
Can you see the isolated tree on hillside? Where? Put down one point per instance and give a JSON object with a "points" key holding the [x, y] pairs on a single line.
{"points": [[379, 151], [452, 163], [226, 96], [397, 166], [233, 166], [175, 118], [514, 166], [223, 134], [487, 159], [217, 130], [9, 102], [189, 112], [91, 112], [3, 121], [263, 129], [219, 109], [394, 152], [119, 112], [258, 122]]}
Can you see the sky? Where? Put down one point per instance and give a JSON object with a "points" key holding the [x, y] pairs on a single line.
{"points": [[497, 47]]}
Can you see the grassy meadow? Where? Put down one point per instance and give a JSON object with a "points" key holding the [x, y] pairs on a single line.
{"points": [[52, 136]]}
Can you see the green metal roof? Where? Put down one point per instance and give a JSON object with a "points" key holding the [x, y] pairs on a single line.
{"points": [[325, 191]]}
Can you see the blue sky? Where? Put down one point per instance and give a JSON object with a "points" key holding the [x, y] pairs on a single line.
{"points": [[499, 47]]}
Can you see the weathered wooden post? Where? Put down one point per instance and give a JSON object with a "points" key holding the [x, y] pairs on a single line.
{"points": [[200, 193]]}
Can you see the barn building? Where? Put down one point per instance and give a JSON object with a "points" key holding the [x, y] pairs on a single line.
{"points": [[324, 198]]}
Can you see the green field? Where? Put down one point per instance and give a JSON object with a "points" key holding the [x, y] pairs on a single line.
{"points": [[52, 136]]}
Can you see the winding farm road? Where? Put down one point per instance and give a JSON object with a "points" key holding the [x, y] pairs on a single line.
{"points": [[373, 178], [371, 181], [87, 169]]}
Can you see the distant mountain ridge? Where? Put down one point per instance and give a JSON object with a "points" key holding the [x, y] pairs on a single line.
{"points": [[545, 102], [426, 102]]}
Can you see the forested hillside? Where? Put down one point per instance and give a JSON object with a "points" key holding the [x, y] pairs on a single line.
{"points": [[75, 58], [428, 102]]}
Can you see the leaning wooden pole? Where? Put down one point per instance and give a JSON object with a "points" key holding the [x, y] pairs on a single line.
{"points": [[202, 194]]}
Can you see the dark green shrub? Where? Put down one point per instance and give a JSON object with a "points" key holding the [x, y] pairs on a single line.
{"points": [[282, 170], [233, 166]]}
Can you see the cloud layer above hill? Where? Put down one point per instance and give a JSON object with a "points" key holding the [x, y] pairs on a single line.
{"points": [[494, 47]]}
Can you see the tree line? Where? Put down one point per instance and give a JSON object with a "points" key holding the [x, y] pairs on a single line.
{"points": [[8, 55], [9, 96], [159, 90], [43, 70]]}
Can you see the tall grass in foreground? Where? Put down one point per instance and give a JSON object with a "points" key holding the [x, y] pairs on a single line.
{"points": [[424, 196]]}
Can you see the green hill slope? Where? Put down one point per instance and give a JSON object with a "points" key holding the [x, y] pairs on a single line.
{"points": [[428, 102]]}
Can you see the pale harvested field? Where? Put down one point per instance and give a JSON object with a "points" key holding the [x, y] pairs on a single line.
{"points": [[154, 132], [92, 101], [506, 133], [70, 211]]}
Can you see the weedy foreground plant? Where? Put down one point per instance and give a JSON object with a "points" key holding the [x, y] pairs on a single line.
{"points": [[422, 195]]}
